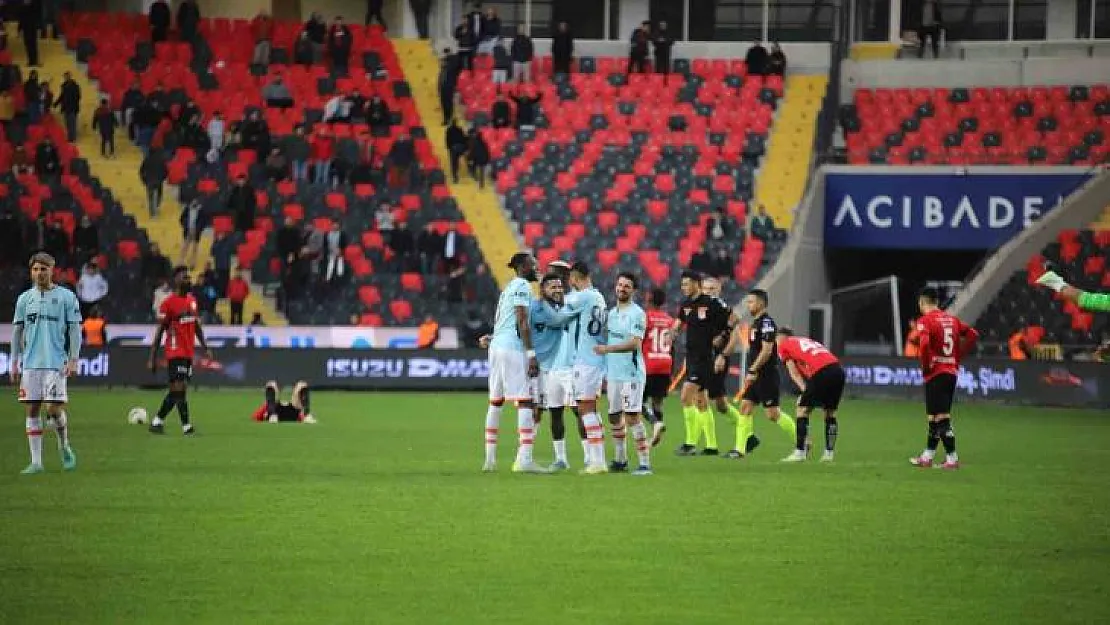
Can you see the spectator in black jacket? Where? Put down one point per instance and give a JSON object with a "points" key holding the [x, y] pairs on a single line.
{"points": [[133, 99], [502, 64], [378, 116], [32, 97], [86, 241], [290, 239], [30, 21], [159, 21], [662, 41], [339, 46], [298, 151], [457, 146], [153, 172], [638, 53], [194, 221], [449, 69], [48, 163], [242, 204], [501, 113], [69, 103], [756, 59], [402, 161], [303, 52], [464, 41], [421, 11], [374, 11], [523, 52], [404, 247], [562, 49], [155, 266], [526, 108], [104, 121], [255, 134], [776, 63], [489, 31], [478, 157], [188, 19], [317, 31], [429, 244]]}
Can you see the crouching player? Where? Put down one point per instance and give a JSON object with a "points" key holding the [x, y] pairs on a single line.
{"points": [[818, 373], [296, 410]]}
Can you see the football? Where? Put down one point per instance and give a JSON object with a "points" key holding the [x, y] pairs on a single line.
{"points": [[137, 416]]}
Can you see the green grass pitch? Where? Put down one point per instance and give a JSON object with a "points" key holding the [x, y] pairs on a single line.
{"points": [[379, 514]]}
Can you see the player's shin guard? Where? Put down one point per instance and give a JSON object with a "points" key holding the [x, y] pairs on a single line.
{"points": [[801, 432], [271, 398], [493, 421], [690, 417], [932, 440], [526, 434], [183, 409], [620, 443], [643, 448], [786, 422], [34, 439], [558, 434], [832, 428], [709, 428], [61, 427], [947, 436], [168, 402], [595, 451], [302, 395]]}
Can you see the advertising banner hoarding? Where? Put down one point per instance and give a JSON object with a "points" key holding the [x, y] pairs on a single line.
{"points": [[336, 337]]}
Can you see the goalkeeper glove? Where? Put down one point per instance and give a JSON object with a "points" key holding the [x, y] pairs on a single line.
{"points": [[1052, 280]]}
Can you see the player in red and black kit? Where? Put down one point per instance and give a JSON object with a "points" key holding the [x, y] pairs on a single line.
{"points": [[658, 348], [818, 373], [179, 323], [943, 340], [297, 410]]}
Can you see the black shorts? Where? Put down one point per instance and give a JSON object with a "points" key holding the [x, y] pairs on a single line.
{"points": [[765, 390], [699, 372], [824, 389], [657, 386], [939, 393], [180, 369], [288, 413]]}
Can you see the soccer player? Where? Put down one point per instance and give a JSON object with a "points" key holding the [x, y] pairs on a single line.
{"points": [[658, 360], [46, 344], [513, 368], [761, 382], [555, 356], [943, 341], [588, 312], [818, 373], [1095, 302], [179, 323], [625, 328], [297, 410]]}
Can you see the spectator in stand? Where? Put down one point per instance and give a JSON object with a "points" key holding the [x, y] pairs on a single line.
{"points": [[464, 43], [383, 221], [37, 232], [146, 119], [69, 103], [522, 53], [449, 70], [303, 52], [22, 165], [429, 244], [159, 100], [237, 292], [46, 97], [662, 42], [289, 240], [323, 151], [776, 63], [457, 146], [379, 117], [455, 287], [153, 172], [701, 262], [132, 101], [242, 204], [86, 241], [339, 46], [357, 102], [257, 321], [58, 244], [478, 157], [223, 254], [402, 163], [32, 97], [335, 242], [188, 19], [92, 288], [501, 113], [474, 19], [48, 163], [11, 237], [404, 248], [262, 30], [104, 121], [757, 59], [156, 267], [762, 226], [159, 18], [161, 292], [277, 166], [30, 21], [475, 328], [930, 27], [217, 136], [194, 220], [297, 149], [256, 134], [337, 110], [562, 49], [718, 229], [722, 264], [526, 101], [452, 247], [427, 335], [276, 94], [421, 11], [489, 31], [195, 136], [206, 297], [502, 63], [374, 12], [639, 51], [317, 30], [94, 329]]}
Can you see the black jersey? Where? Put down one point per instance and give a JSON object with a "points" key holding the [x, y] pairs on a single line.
{"points": [[763, 332], [706, 318]]}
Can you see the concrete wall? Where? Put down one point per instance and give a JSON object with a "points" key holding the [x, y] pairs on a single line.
{"points": [[945, 73], [802, 57]]}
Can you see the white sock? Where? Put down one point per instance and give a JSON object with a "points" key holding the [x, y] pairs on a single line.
{"points": [[586, 451], [493, 418], [156, 421], [526, 434], [928, 454], [951, 458], [34, 439], [61, 426], [561, 451], [643, 450], [620, 443], [595, 452]]}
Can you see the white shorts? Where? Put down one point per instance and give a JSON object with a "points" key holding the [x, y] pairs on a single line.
{"points": [[558, 388], [48, 385], [508, 376], [626, 396], [587, 382]]}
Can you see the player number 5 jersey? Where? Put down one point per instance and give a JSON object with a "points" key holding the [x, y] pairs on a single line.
{"points": [[624, 324]]}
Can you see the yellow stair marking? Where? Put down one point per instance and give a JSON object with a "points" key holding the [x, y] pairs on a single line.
{"points": [[494, 233], [785, 172], [874, 51], [1103, 221], [121, 174]]}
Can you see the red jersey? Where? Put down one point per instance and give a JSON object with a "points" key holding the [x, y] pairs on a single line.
{"points": [[943, 340], [806, 354], [179, 314], [658, 339]]}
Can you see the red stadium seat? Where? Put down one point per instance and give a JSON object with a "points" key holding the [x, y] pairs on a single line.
{"points": [[607, 259], [413, 282], [401, 310], [607, 220], [369, 295], [532, 231], [128, 250]]}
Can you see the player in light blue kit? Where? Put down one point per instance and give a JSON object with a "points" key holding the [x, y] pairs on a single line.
{"points": [[46, 344], [550, 336], [587, 311], [625, 370]]}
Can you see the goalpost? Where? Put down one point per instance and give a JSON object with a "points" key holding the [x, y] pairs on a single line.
{"points": [[867, 318]]}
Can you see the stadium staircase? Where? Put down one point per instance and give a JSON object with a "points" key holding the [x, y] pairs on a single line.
{"points": [[121, 174], [495, 235], [782, 179], [874, 51]]}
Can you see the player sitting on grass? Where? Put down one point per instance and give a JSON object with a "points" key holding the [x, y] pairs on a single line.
{"points": [[296, 410]]}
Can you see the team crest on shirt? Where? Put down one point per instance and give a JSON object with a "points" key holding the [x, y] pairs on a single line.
{"points": [[686, 311], [702, 310]]}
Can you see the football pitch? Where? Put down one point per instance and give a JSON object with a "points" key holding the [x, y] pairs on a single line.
{"points": [[379, 514]]}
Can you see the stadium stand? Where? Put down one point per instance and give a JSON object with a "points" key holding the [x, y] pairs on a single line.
{"points": [[967, 126], [625, 171], [214, 74]]}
